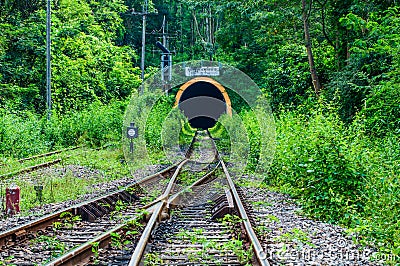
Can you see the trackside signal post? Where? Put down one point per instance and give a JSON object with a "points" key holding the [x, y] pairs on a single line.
{"points": [[131, 133]]}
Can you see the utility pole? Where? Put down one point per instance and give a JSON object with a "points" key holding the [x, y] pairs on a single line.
{"points": [[166, 60], [164, 36], [48, 59], [144, 13]]}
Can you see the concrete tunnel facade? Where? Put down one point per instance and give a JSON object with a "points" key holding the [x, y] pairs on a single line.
{"points": [[203, 100]]}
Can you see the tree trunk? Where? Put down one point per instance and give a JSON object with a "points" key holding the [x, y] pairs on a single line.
{"points": [[313, 71]]}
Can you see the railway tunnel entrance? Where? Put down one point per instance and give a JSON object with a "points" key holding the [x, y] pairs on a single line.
{"points": [[203, 100]]}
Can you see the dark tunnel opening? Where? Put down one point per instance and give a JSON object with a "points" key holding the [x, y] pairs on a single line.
{"points": [[202, 103]]}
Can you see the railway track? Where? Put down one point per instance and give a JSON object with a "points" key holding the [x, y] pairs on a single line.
{"points": [[195, 221], [197, 234], [37, 164], [102, 210], [37, 170]]}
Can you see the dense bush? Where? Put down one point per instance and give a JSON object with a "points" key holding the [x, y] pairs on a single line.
{"points": [[382, 110], [314, 158], [340, 174], [155, 120], [21, 135], [87, 64], [28, 134]]}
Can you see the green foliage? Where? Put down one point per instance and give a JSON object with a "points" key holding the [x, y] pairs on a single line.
{"points": [[154, 123], [241, 139], [87, 65], [28, 134], [296, 235], [371, 75], [51, 243], [314, 157], [96, 125], [152, 259], [378, 55], [382, 111], [286, 76], [341, 161], [340, 174], [21, 136]]}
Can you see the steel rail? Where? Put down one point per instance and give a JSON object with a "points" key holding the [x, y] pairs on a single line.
{"points": [[189, 151], [54, 217], [139, 250], [198, 182], [82, 252], [30, 169], [48, 154], [160, 203], [258, 250], [42, 165]]}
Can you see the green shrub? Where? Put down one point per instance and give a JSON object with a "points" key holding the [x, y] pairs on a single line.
{"points": [[155, 120], [382, 110], [20, 135], [341, 174], [314, 158], [29, 134]]}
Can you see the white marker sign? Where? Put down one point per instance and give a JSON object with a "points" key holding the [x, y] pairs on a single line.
{"points": [[201, 71]]}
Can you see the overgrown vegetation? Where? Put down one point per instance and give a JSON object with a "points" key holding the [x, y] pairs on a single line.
{"points": [[29, 134], [83, 170], [337, 152], [339, 173]]}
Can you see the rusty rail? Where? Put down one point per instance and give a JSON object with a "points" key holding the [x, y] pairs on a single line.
{"points": [[30, 169], [48, 154], [139, 250], [35, 225], [259, 253]]}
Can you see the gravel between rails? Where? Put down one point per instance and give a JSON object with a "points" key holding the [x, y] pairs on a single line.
{"points": [[78, 171], [291, 239]]}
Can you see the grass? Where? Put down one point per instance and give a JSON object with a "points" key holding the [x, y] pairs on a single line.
{"points": [[337, 172], [234, 245], [105, 163]]}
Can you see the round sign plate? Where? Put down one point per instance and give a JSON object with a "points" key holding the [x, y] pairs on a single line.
{"points": [[131, 132]]}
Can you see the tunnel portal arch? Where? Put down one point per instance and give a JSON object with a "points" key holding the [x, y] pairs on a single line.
{"points": [[203, 100]]}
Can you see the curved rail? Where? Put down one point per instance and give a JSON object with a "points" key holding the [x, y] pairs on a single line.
{"points": [[42, 222], [255, 243], [157, 209], [94, 208]]}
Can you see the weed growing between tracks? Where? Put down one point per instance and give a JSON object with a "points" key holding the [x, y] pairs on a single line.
{"points": [[51, 243], [196, 236]]}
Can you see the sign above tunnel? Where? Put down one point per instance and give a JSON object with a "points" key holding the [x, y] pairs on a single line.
{"points": [[202, 71]]}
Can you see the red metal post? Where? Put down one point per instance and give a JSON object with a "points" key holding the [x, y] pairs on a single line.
{"points": [[13, 198]]}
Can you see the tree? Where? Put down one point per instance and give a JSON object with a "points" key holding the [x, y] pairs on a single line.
{"points": [[313, 71]]}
